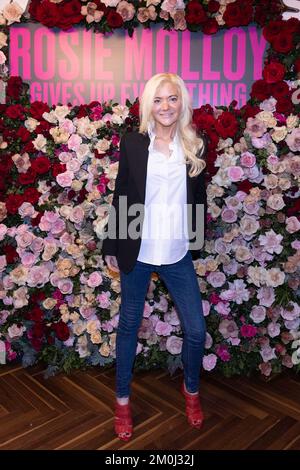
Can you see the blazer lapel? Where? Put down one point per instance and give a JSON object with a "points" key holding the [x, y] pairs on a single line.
{"points": [[190, 186], [141, 169]]}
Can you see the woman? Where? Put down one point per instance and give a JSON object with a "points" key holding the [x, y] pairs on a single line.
{"points": [[160, 169]]}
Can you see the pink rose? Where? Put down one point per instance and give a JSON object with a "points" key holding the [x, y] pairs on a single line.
{"points": [[223, 308], [73, 165], [65, 179], [77, 214], [174, 345], [58, 227], [103, 299], [208, 341], [209, 362], [162, 328], [248, 159], [3, 231], [216, 278], [235, 173], [206, 307], [258, 313], [3, 263], [147, 310], [74, 142], [68, 126], [37, 245], [229, 215], [95, 279], [292, 224], [65, 286], [265, 368], [272, 159], [28, 259], [87, 312], [26, 210], [38, 276]]}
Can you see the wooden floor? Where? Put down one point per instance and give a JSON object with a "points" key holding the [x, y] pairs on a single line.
{"points": [[76, 412]]}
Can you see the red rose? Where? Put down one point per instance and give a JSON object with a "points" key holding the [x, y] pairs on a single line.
{"points": [[14, 88], [210, 26], [61, 330], [114, 19], [295, 209], [13, 202], [70, 14], [82, 111], [213, 6], [10, 253], [274, 72], [58, 168], [82, 195], [24, 134], [31, 195], [244, 186], [260, 15], [226, 125], [272, 30], [195, 13], [8, 134], [292, 26], [41, 165], [238, 13], [27, 178], [134, 109], [249, 111], [280, 89], [29, 147], [45, 12], [283, 43], [37, 296], [284, 105], [43, 128], [15, 111], [35, 314], [37, 108], [260, 90], [35, 222], [203, 118]]}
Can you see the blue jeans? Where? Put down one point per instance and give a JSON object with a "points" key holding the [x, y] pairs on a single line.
{"points": [[181, 280]]}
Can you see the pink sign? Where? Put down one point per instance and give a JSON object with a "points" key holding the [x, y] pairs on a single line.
{"points": [[80, 66]]}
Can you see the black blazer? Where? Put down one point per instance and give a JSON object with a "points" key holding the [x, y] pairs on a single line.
{"points": [[131, 181]]}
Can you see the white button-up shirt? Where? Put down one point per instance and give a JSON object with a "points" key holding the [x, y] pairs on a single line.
{"points": [[165, 235]]}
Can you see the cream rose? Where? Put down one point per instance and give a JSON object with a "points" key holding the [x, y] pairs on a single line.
{"points": [[12, 12], [279, 133]]}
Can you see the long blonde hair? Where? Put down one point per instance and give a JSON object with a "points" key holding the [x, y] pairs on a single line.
{"points": [[192, 144]]}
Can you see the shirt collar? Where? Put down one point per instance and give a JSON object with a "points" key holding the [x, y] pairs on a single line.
{"points": [[152, 135]]}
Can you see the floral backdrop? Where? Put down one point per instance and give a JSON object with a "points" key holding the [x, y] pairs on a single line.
{"points": [[58, 302]]}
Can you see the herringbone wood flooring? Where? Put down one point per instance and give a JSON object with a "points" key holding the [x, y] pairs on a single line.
{"points": [[76, 412]]}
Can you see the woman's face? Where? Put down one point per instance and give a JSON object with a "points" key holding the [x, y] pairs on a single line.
{"points": [[166, 105]]}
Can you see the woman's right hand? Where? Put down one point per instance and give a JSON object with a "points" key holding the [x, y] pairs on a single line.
{"points": [[112, 263]]}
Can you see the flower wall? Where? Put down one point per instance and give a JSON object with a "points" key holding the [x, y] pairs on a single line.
{"points": [[58, 302]]}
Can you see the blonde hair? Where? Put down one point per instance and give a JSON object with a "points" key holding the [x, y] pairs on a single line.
{"points": [[192, 144]]}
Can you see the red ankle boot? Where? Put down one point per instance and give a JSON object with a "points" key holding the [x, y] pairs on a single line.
{"points": [[193, 408], [123, 421]]}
